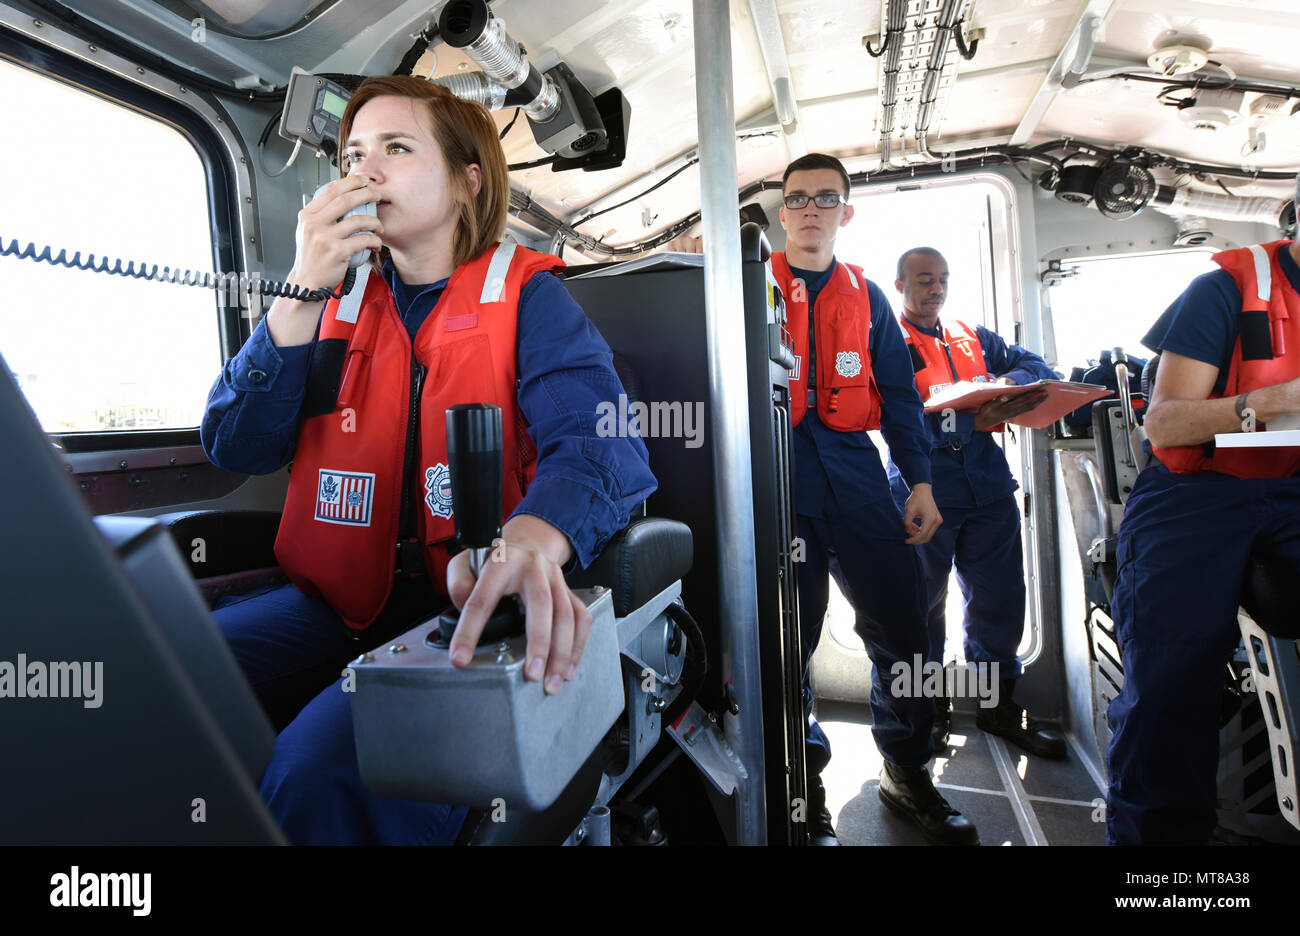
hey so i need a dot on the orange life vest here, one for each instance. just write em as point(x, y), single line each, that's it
point(1267, 352)
point(338, 536)
point(847, 398)
point(941, 362)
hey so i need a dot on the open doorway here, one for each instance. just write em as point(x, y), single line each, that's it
point(969, 221)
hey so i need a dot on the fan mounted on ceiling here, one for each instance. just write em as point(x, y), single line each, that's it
point(1123, 189)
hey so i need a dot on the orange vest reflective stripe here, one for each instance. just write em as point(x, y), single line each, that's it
point(940, 367)
point(1267, 352)
point(847, 398)
point(338, 535)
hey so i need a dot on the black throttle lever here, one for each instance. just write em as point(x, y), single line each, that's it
point(475, 461)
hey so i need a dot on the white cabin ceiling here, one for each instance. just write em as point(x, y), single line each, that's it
point(645, 47)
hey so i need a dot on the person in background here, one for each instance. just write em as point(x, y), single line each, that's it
point(852, 374)
point(974, 488)
point(1229, 362)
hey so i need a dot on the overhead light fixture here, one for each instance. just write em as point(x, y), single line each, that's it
point(1178, 59)
point(1215, 109)
point(771, 44)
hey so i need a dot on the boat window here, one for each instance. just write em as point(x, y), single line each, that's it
point(94, 352)
point(1113, 301)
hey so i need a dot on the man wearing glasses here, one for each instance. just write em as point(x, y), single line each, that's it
point(853, 373)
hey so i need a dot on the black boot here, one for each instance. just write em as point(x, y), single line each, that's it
point(942, 724)
point(1008, 720)
point(820, 829)
point(910, 791)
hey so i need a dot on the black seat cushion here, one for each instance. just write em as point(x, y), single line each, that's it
point(1270, 596)
point(640, 562)
point(233, 540)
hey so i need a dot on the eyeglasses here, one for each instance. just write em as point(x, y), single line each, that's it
point(821, 200)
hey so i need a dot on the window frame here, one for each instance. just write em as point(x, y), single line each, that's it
point(222, 189)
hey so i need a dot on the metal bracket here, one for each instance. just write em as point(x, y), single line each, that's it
point(1275, 668)
point(1127, 467)
point(1056, 274)
point(702, 740)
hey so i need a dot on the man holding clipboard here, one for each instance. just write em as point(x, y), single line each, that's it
point(974, 488)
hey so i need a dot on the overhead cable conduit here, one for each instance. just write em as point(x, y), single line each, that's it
point(948, 22)
point(891, 47)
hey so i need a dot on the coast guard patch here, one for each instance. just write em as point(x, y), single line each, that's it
point(344, 497)
point(848, 363)
point(437, 490)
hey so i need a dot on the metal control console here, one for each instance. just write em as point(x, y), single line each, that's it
point(426, 730)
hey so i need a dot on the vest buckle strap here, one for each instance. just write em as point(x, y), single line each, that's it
point(410, 559)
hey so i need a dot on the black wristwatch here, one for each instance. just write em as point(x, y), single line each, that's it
point(1241, 405)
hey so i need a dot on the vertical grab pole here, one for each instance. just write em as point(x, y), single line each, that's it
point(724, 315)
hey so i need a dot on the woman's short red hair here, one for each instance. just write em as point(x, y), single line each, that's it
point(466, 135)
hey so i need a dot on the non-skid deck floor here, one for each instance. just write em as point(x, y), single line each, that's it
point(1012, 797)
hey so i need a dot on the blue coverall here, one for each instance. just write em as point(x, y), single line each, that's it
point(852, 530)
point(973, 487)
point(291, 647)
point(1183, 548)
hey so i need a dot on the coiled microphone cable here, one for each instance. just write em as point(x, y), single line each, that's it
point(218, 281)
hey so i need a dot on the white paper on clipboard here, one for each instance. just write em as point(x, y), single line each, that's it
point(1282, 431)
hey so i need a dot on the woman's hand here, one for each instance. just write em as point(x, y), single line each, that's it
point(526, 562)
point(321, 261)
point(324, 242)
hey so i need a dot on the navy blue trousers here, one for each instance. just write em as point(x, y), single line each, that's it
point(880, 576)
point(984, 543)
point(293, 649)
point(1183, 550)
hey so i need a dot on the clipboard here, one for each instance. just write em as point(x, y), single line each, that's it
point(1063, 396)
point(1281, 431)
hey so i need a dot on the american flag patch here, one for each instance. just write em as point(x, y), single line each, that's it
point(344, 497)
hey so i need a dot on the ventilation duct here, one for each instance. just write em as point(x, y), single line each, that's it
point(1223, 207)
point(476, 87)
point(470, 26)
